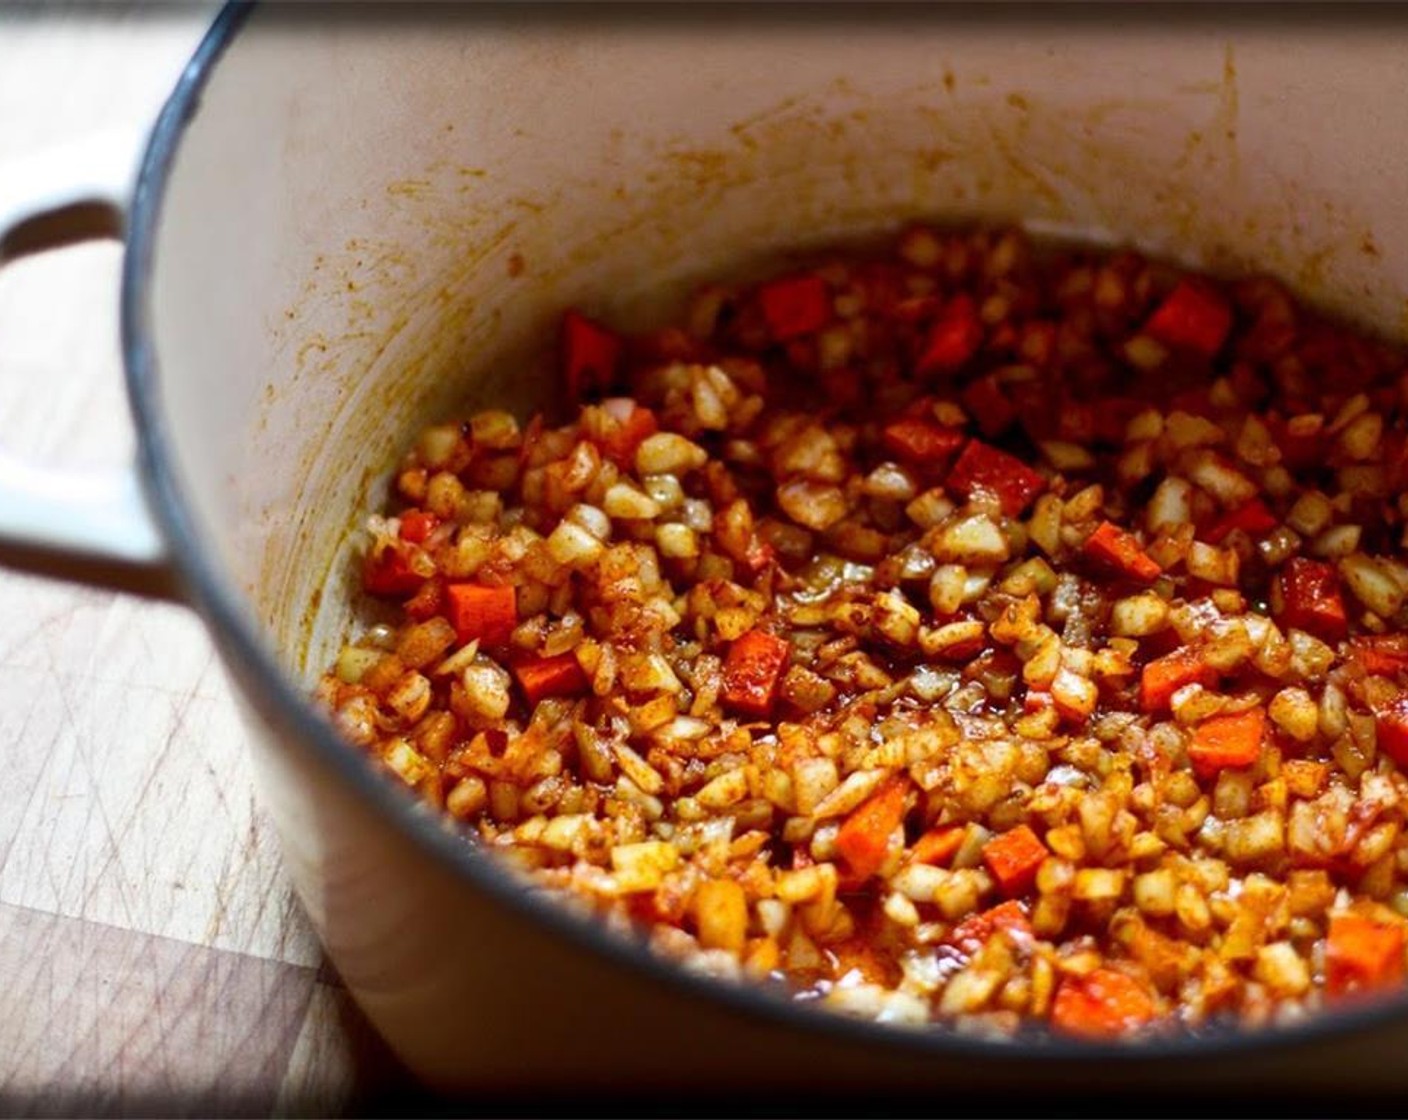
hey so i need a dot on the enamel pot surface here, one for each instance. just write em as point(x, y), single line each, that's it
point(348, 224)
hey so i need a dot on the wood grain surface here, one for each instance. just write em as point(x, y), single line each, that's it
point(153, 959)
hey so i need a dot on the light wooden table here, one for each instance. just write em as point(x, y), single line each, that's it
point(152, 956)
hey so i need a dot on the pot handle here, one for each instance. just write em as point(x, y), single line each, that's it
point(94, 526)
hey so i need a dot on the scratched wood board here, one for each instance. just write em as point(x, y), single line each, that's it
point(153, 959)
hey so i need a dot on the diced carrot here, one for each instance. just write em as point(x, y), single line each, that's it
point(634, 426)
point(486, 613)
point(1013, 858)
point(1253, 518)
point(970, 934)
point(1227, 741)
point(1193, 317)
point(983, 468)
point(920, 441)
point(1008, 915)
point(864, 836)
point(795, 305)
point(989, 406)
point(938, 845)
point(953, 339)
point(1362, 955)
point(752, 671)
point(1380, 655)
point(590, 354)
point(1166, 675)
point(551, 676)
point(1102, 1004)
point(1391, 730)
point(387, 572)
point(417, 524)
point(1112, 546)
point(1308, 594)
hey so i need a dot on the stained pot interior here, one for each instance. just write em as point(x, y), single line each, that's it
point(375, 217)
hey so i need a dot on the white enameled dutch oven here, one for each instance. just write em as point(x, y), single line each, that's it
point(347, 222)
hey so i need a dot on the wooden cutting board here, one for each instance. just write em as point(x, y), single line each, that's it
point(153, 959)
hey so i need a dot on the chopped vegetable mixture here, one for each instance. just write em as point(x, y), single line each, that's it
point(963, 633)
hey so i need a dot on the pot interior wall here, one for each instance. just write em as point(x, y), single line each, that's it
point(377, 217)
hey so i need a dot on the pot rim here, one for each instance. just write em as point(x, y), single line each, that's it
point(282, 704)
